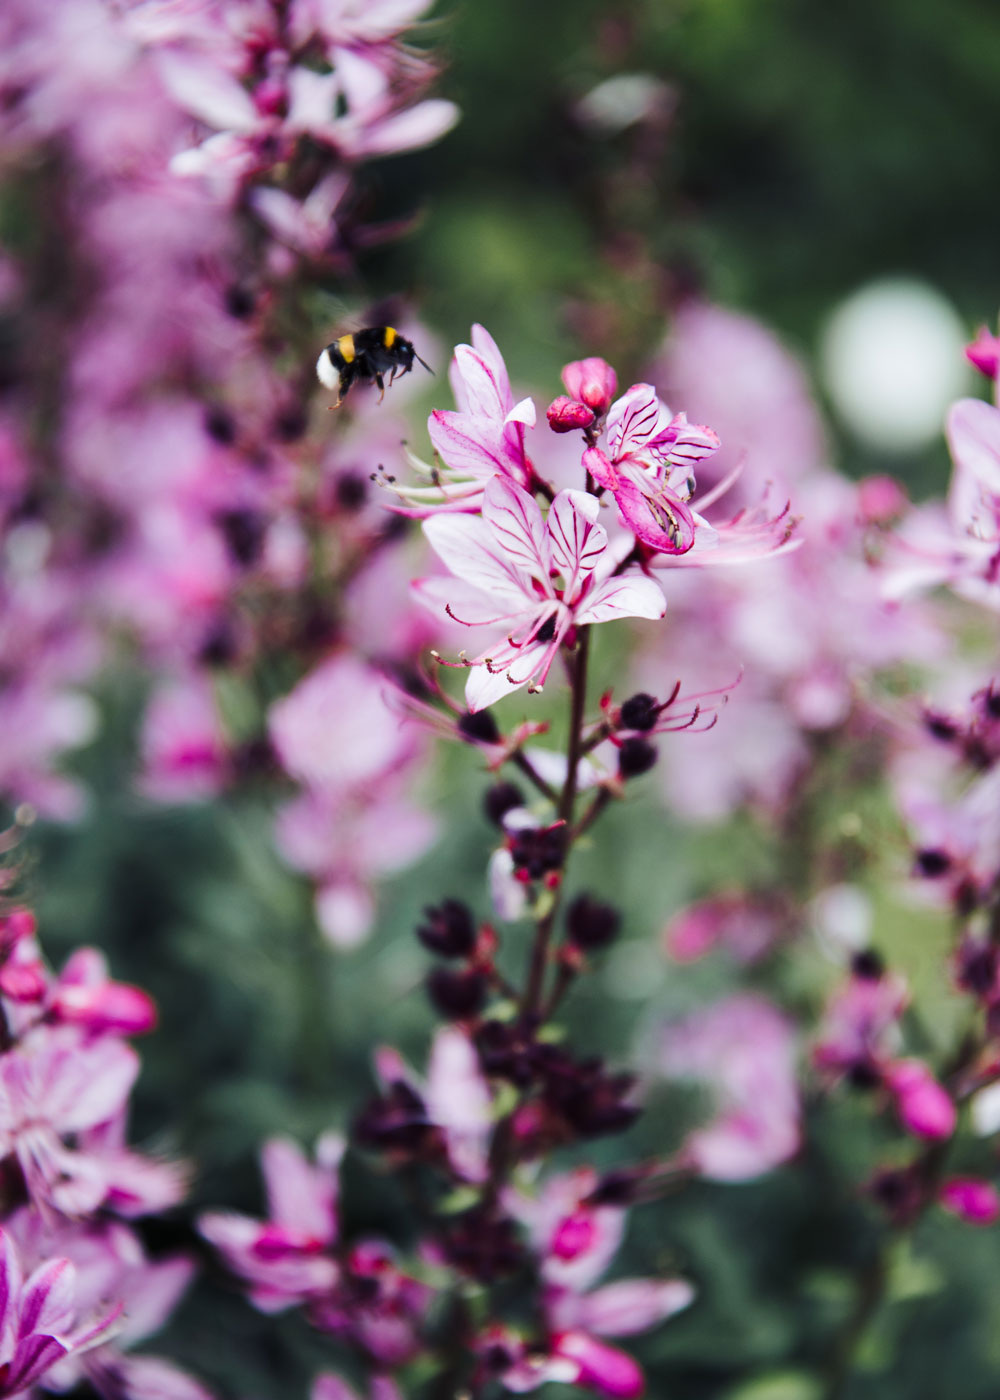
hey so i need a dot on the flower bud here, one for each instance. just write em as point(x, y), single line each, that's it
point(500, 799)
point(537, 850)
point(924, 1107)
point(591, 381)
point(635, 757)
point(640, 712)
point(568, 415)
point(448, 929)
point(602, 1368)
point(984, 353)
point(104, 1007)
point(971, 1199)
point(590, 923)
point(23, 981)
point(478, 728)
point(457, 994)
point(868, 965)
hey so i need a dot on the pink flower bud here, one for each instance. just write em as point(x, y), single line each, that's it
point(604, 1369)
point(567, 415)
point(105, 1006)
point(592, 382)
point(971, 1199)
point(23, 981)
point(574, 1235)
point(880, 499)
point(15, 926)
point(984, 353)
point(924, 1107)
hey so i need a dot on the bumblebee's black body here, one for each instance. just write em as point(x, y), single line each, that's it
point(366, 357)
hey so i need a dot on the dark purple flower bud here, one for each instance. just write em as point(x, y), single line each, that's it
point(568, 415)
point(396, 1121)
point(977, 967)
point(590, 923)
point(500, 799)
point(505, 1052)
point(220, 425)
point(484, 1246)
point(457, 993)
point(243, 531)
point(290, 424)
point(538, 850)
point(448, 929)
point(590, 1100)
point(351, 491)
point(479, 728)
point(616, 1188)
point(864, 1075)
point(897, 1191)
point(640, 711)
point(868, 965)
point(220, 646)
point(239, 302)
point(933, 863)
point(940, 727)
point(635, 757)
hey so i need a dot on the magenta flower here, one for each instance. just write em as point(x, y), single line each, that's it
point(971, 1199)
point(536, 579)
point(575, 1242)
point(39, 1323)
point(648, 464)
point(110, 1263)
point(288, 1258)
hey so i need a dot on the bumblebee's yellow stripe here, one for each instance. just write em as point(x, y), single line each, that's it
point(389, 339)
point(346, 347)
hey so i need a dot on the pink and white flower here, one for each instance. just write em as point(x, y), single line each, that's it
point(39, 1319)
point(536, 579)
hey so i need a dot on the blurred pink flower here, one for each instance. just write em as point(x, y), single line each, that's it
point(744, 1048)
point(40, 1319)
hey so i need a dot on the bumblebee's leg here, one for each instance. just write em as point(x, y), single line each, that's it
point(381, 385)
point(347, 376)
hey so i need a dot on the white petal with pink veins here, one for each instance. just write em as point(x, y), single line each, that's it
point(576, 541)
point(469, 549)
point(515, 521)
point(623, 597)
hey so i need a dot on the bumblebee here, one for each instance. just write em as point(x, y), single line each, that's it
point(365, 357)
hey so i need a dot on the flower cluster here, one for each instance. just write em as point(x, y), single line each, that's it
point(76, 1286)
